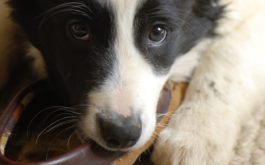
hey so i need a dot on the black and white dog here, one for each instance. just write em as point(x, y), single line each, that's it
point(116, 55)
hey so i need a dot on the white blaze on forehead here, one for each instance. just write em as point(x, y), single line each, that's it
point(132, 72)
point(133, 87)
point(124, 11)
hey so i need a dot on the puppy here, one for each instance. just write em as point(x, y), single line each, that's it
point(110, 59)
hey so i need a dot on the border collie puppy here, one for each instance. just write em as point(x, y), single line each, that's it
point(113, 57)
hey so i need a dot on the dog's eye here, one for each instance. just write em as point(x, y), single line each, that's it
point(80, 31)
point(157, 35)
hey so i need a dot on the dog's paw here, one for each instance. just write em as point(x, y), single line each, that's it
point(187, 147)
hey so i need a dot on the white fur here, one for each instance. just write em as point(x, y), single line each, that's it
point(228, 84)
point(250, 148)
point(38, 65)
point(132, 82)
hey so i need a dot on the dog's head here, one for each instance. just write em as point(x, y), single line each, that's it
point(112, 57)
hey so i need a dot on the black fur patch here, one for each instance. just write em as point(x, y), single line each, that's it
point(187, 21)
point(75, 66)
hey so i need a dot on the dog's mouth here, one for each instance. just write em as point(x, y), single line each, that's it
point(114, 131)
point(22, 144)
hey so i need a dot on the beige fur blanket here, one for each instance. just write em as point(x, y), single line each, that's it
point(250, 148)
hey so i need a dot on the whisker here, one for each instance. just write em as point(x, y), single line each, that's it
point(52, 126)
point(52, 141)
point(161, 115)
point(58, 115)
point(29, 125)
point(69, 139)
point(59, 124)
point(58, 108)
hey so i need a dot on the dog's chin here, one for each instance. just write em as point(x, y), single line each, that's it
point(101, 144)
point(90, 130)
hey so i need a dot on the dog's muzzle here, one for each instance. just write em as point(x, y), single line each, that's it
point(118, 131)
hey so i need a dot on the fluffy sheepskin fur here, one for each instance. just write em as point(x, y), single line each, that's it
point(223, 101)
point(226, 87)
point(250, 147)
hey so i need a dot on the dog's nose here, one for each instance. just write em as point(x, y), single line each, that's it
point(119, 132)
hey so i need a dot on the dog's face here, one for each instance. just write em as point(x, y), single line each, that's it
point(111, 58)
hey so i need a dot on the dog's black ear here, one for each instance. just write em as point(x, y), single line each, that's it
point(24, 13)
point(210, 9)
